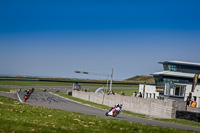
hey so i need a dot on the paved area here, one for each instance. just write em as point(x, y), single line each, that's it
point(46, 99)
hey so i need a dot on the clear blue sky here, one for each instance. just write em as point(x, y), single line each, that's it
point(57, 37)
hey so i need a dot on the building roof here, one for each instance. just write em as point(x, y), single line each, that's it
point(175, 74)
point(181, 63)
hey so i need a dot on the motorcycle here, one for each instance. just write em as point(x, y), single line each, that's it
point(114, 112)
point(25, 98)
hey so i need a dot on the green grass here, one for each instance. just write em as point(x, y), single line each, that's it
point(127, 92)
point(34, 83)
point(50, 83)
point(5, 89)
point(177, 121)
point(18, 117)
point(180, 121)
point(133, 80)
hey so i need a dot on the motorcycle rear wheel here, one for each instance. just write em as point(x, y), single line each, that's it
point(106, 113)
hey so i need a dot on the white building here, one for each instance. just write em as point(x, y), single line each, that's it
point(150, 91)
point(175, 82)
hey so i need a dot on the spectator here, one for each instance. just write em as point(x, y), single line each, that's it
point(122, 93)
point(135, 93)
point(188, 101)
point(194, 104)
point(113, 93)
point(85, 90)
point(140, 95)
point(191, 102)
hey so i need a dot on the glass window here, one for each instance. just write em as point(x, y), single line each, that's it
point(165, 66)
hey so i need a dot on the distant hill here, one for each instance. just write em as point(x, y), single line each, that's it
point(141, 79)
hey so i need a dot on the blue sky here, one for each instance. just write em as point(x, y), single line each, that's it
point(55, 38)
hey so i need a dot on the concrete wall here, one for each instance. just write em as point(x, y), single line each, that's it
point(153, 107)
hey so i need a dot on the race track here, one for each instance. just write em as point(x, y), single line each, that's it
point(48, 100)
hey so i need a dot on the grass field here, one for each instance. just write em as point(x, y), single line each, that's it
point(128, 92)
point(5, 89)
point(33, 83)
point(17, 117)
point(48, 83)
point(132, 80)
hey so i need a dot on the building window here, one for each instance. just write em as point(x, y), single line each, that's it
point(175, 90)
point(173, 67)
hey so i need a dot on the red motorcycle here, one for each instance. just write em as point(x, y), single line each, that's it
point(25, 98)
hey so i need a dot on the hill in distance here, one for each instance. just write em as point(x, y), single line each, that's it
point(141, 79)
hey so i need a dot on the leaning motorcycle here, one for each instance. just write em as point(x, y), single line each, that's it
point(114, 112)
point(25, 98)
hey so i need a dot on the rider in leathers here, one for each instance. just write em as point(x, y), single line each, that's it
point(117, 105)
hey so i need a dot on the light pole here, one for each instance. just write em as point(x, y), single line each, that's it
point(111, 76)
point(100, 74)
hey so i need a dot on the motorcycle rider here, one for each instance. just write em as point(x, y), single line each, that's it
point(25, 97)
point(117, 105)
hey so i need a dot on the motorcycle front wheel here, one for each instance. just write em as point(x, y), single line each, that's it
point(115, 113)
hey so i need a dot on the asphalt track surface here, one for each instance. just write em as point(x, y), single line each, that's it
point(49, 100)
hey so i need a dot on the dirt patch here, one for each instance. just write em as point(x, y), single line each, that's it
point(12, 91)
